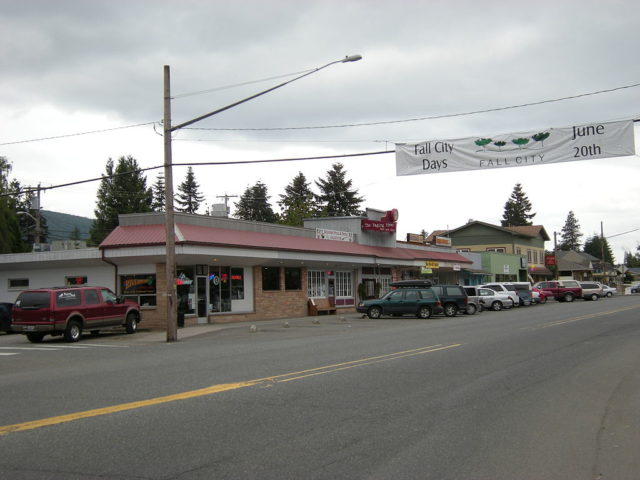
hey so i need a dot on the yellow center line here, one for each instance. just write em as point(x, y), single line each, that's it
point(214, 389)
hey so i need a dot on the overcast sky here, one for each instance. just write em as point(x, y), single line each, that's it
point(70, 67)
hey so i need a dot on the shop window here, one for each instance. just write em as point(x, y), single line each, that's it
point(293, 279)
point(496, 249)
point(75, 281)
point(270, 278)
point(140, 288)
point(237, 283)
point(344, 284)
point(18, 283)
point(316, 284)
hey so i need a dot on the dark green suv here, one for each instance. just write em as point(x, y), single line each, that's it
point(419, 301)
point(453, 297)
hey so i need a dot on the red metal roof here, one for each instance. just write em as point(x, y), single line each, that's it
point(146, 235)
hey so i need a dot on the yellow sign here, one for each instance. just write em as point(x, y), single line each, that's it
point(431, 264)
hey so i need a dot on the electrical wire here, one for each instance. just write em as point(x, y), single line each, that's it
point(77, 134)
point(226, 87)
point(347, 125)
point(103, 177)
point(417, 119)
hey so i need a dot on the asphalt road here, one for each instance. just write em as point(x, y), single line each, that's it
point(544, 392)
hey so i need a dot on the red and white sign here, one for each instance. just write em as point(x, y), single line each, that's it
point(385, 224)
point(378, 226)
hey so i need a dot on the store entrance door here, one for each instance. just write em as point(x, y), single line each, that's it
point(201, 297)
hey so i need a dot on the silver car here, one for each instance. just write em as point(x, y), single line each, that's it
point(591, 291)
point(493, 300)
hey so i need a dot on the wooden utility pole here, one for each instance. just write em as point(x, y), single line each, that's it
point(170, 262)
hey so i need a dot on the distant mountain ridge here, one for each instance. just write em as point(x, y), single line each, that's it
point(61, 225)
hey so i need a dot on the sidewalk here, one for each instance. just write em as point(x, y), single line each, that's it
point(160, 336)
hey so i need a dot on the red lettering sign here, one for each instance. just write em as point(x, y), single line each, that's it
point(378, 226)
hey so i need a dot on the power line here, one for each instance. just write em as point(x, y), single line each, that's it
point(77, 134)
point(89, 180)
point(226, 87)
point(317, 127)
point(417, 119)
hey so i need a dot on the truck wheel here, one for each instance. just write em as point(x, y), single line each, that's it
point(450, 310)
point(424, 312)
point(568, 297)
point(496, 306)
point(132, 323)
point(73, 331)
point(471, 309)
point(35, 337)
point(374, 312)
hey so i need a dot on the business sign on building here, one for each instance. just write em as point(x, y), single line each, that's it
point(378, 225)
point(325, 234)
point(431, 264)
point(443, 241)
point(553, 145)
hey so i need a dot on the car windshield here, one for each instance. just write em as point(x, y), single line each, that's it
point(33, 300)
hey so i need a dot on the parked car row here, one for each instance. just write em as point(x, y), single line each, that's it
point(422, 299)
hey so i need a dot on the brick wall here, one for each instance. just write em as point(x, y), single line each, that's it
point(268, 305)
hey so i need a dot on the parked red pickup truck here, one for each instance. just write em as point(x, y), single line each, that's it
point(562, 290)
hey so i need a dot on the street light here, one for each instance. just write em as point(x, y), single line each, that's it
point(172, 324)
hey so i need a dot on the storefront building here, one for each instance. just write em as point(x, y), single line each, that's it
point(232, 270)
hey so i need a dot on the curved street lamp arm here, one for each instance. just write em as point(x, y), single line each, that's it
point(350, 58)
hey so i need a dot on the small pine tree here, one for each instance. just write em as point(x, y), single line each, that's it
point(157, 189)
point(517, 209)
point(570, 234)
point(298, 202)
point(337, 198)
point(189, 197)
point(254, 205)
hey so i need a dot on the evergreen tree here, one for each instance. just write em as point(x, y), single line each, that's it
point(157, 189)
point(570, 234)
point(337, 199)
point(298, 202)
point(10, 235)
point(75, 233)
point(593, 246)
point(517, 210)
point(254, 205)
point(123, 189)
point(632, 260)
point(189, 197)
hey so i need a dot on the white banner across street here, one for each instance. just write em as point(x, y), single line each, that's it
point(554, 145)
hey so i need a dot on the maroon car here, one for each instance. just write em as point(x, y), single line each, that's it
point(69, 311)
